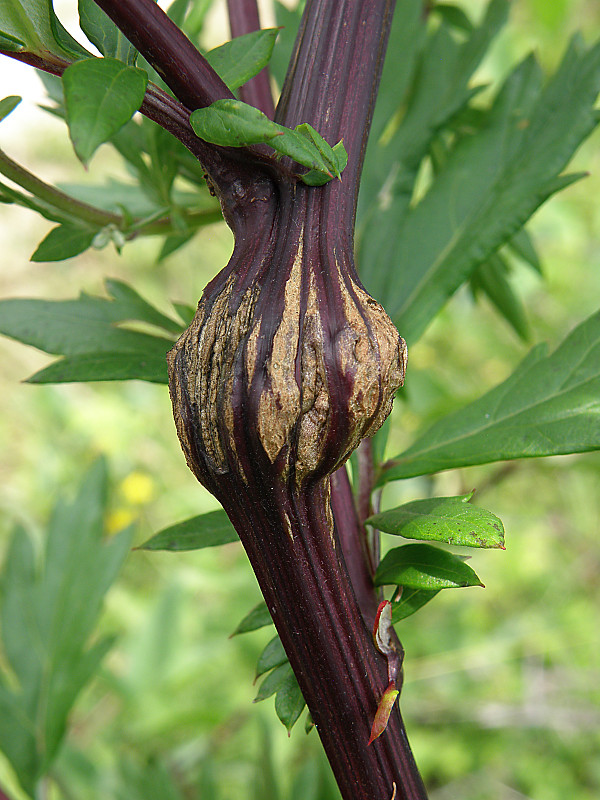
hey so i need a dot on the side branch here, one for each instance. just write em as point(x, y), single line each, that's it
point(225, 166)
point(179, 63)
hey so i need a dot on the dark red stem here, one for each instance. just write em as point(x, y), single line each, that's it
point(244, 18)
point(229, 169)
point(332, 84)
point(179, 63)
point(351, 533)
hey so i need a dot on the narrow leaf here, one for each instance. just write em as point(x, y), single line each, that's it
point(243, 57)
point(101, 95)
point(289, 702)
point(64, 242)
point(421, 566)
point(550, 405)
point(443, 519)
point(49, 609)
point(88, 327)
point(272, 656)
point(205, 530)
point(492, 279)
point(259, 617)
point(505, 171)
point(104, 367)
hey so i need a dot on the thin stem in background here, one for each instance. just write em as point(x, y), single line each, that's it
point(244, 18)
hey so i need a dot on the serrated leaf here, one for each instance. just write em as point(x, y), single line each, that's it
point(425, 98)
point(101, 95)
point(550, 405)
point(8, 104)
point(243, 57)
point(410, 602)
point(259, 617)
point(65, 241)
point(443, 519)
point(273, 682)
point(87, 329)
point(289, 702)
point(272, 656)
point(490, 185)
point(91, 367)
point(421, 566)
point(205, 530)
point(104, 34)
point(49, 609)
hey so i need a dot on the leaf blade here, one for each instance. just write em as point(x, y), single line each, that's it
point(452, 520)
point(421, 566)
point(206, 530)
point(549, 406)
point(101, 95)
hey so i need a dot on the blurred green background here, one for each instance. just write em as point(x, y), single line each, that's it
point(502, 689)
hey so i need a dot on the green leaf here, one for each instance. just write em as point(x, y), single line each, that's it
point(259, 617)
point(88, 331)
point(205, 530)
point(104, 34)
point(101, 95)
point(424, 98)
point(231, 123)
point(493, 181)
point(443, 519)
point(49, 610)
point(104, 367)
point(522, 245)
point(421, 566)
point(243, 57)
point(273, 682)
point(410, 602)
point(8, 104)
point(550, 405)
point(65, 241)
point(491, 279)
point(33, 26)
point(454, 16)
point(289, 702)
point(272, 656)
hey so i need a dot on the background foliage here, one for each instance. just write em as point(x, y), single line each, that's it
point(501, 685)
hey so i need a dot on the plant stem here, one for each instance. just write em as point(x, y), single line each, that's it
point(54, 197)
point(332, 84)
point(351, 534)
point(244, 18)
point(229, 169)
point(179, 63)
point(91, 215)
